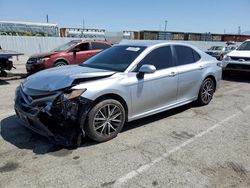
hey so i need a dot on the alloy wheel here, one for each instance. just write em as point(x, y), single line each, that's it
point(207, 91)
point(108, 119)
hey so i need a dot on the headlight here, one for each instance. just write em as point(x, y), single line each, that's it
point(226, 58)
point(41, 60)
point(72, 94)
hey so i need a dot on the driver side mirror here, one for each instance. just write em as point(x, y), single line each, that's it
point(146, 69)
point(76, 50)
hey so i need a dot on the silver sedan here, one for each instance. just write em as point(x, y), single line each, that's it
point(121, 84)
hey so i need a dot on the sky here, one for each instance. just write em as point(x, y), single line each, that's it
point(215, 16)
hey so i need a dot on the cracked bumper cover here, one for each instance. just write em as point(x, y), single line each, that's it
point(31, 118)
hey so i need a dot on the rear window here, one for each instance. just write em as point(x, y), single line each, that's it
point(99, 46)
point(185, 55)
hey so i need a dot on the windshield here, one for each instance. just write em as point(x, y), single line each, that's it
point(65, 46)
point(116, 58)
point(244, 46)
point(216, 48)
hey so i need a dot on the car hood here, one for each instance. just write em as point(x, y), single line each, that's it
point(239, 53)
point(63, 77)
point(41, 55)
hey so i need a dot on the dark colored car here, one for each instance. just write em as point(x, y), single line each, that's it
point(73, 52)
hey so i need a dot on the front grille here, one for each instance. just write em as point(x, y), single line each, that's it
point(238, 66)
point(32, 60)
point(242, 58)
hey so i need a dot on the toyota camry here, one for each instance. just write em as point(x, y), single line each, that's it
point(121, 84)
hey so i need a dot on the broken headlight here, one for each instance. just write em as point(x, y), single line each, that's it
point(72, 94)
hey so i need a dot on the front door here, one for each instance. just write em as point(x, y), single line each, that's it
point(157, 90)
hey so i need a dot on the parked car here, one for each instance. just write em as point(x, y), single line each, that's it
point(238, 60)
point(121, 84)
point(219, 51)
point(73, 52)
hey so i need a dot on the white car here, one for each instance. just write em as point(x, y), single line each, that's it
point(238, 60)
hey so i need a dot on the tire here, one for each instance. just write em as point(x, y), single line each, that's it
point(104, 121)
point(206, 92)
point(60, 63)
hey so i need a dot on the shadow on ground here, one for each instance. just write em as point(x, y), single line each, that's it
point(10, 77)
point(15, 133)
point(4, 82)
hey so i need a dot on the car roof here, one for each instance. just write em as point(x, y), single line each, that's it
point(83, 40)
point(150, 43)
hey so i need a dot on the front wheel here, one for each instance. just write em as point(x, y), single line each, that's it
point(206, 92)
point(60, 63)
point(105, 120)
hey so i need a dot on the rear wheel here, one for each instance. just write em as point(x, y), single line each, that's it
point(206, 91)
point(60, 63)
point(105, 120)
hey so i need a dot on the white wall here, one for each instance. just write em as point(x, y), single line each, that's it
point(33, 45)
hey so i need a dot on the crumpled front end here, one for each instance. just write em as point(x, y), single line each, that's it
point(52, 115)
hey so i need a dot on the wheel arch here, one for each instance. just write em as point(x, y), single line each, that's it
point(61, 59)
point(115, 97)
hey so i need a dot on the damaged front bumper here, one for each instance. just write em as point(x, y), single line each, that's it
point(61, 121)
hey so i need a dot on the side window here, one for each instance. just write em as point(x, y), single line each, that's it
point(197, 57)
point(185, 55)
point(161, 58)
point(99, 46)
point(83, 46)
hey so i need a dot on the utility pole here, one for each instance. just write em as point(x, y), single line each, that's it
point(83, 23)
point(47, 18)
point(239, 30)
point(166, 23)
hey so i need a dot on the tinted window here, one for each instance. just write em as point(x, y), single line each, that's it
point(83, 46)
point(196, 56)
point(99, 46)
point(65, 46)
point(116, 58)
point(186, 55)
point(161, 58)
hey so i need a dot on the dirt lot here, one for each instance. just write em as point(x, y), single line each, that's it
point(187, 147)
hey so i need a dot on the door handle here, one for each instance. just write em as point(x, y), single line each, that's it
point(201, 67)
point(172, 74)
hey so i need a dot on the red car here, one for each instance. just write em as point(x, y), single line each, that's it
point(73, 52)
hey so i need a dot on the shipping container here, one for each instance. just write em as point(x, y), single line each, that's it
point(165, 35)
point(206, 37)
point(136, 35)
point(235, 38)
point(178, 36)
point(194, 36)
point(149, 35)
point(216, 37)
point(98, 34)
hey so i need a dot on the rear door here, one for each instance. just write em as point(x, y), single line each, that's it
point(190, 71)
